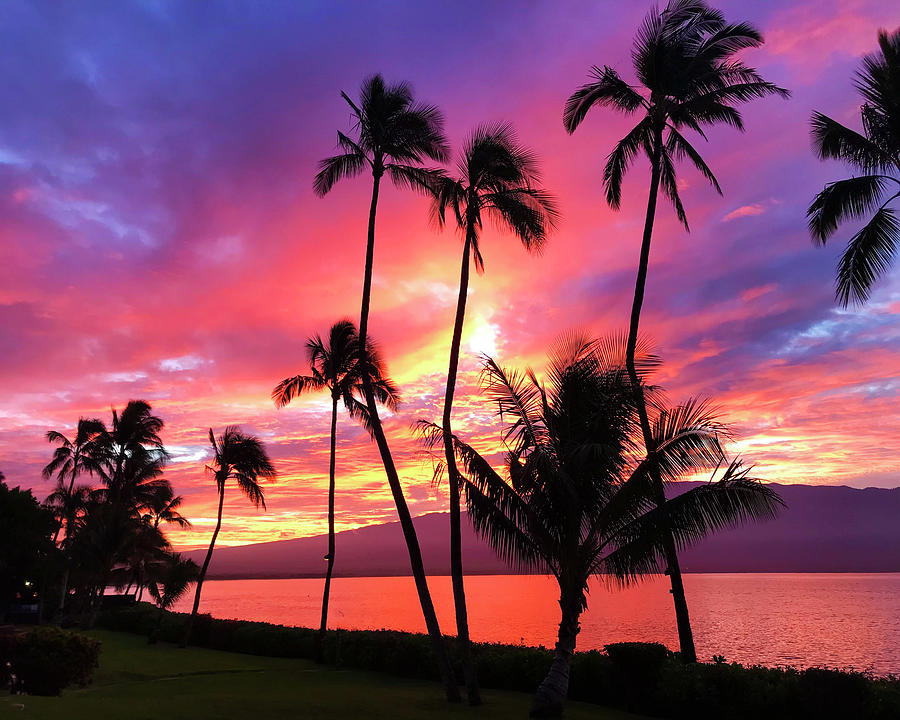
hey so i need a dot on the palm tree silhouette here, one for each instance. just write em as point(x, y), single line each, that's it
point(394, 136)
point(876, 154)
point(335, 366)
point(577, 499)
point(242, 458)
point(684, 60)
point(498, 179)
point(83, 453)
point(134, 456)
point(164, 507)
point(169, 579)
point(80, 454)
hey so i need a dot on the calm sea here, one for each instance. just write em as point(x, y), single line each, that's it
point(846, 620)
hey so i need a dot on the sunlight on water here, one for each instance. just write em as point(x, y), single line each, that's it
point(850, 620)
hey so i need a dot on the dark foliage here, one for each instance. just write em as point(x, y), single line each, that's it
point(45, 660)
point(26, 545)
point(645, 678)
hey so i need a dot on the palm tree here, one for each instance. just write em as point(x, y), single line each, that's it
point(394, 136)
point(335, 366)
point(498, 179)
point(82, 453)
point(684, 61)
point(876, 154)
point(163, 506)
point(68, 503)
point(71, 458)
point(578, 498)
point(169, 579)
point(242, 458)
point(134, 456)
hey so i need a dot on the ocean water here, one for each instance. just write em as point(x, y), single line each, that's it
point(834, 620)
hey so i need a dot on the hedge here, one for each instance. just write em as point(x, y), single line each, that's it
point(44, 660)
point(644, 678)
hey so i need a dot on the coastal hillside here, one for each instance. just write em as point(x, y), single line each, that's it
point(824, 529)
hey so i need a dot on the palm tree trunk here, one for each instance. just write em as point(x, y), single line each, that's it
point(406, 523)
point(456, 566)
point(682, 618)
point(212, 543)
point(320, 640)
point(552, 692)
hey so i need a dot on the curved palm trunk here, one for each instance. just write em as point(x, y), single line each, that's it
point(552, 692)
point(212, 543)
point(456, 566)
point(324, 622)
point(406, 523)
point(682, 618)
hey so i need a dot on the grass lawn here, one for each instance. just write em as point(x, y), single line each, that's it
point(137, 681)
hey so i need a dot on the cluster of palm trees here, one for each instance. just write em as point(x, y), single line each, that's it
point(684, 58)
point(110, 534)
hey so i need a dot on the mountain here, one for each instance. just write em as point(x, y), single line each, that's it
point(824, 529)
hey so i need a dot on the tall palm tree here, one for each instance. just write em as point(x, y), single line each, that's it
point(73, 457)
point(578, 498)
point(394, 136)
point(335, 366)
point(134, 455)
point(688, 78)
point(498, 179)
point(83, 453)
point(242, 458)
point(876, 154)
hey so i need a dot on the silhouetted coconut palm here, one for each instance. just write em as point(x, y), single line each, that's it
point(83, 453)
point(578, 497)
point(242, 458)
point(134, 456)
point(876, 154)
point(498, 180)
point(689, 79)
point(108, 535)
point(80, 454)
point(393, 135)
point(163, 506)
point(335, 366)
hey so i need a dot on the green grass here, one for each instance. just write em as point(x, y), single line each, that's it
point(137, 681)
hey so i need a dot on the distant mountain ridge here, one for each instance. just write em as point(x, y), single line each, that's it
point(825, 529)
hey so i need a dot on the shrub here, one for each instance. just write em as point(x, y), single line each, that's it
point(645, 678)
point(44, 660)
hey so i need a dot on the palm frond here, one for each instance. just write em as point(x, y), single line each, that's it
point(669, 183)
point(607, 90)
point(620, 159)
point(335, 168)
point(293, 387)
point(680, 148)
point(851, 198)
point(425, 181)
point(527, 212)
point(733, 500)
point(518, 399)
point(833, 140)
point(869, 254)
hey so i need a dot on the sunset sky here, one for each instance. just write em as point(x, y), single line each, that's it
point(159, 238)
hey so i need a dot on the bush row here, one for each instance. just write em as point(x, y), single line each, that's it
point(640, 677)
point(44, 660)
